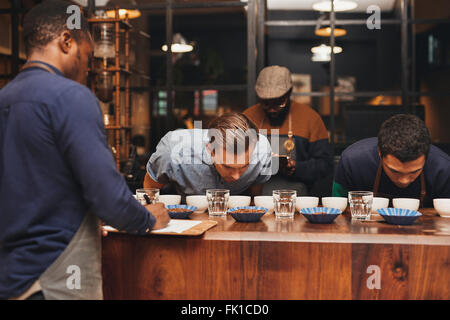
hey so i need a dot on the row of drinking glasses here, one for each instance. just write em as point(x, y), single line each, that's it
point(283, 200)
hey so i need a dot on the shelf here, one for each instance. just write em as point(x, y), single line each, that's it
point(113, 69)
point(125, 24)
point(113, 127)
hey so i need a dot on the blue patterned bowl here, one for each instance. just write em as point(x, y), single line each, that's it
point(399, 216)
point(247, 216)
point(180, 215)
point(320, 214)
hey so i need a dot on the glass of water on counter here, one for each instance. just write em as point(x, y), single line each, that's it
point(217, 201)
point(152, 194)
point(284, 203)
point(360, 204)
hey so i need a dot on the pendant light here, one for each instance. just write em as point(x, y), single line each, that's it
point(339, 5)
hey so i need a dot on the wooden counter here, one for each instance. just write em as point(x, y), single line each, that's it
point(274, 259)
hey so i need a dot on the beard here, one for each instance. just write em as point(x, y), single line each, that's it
point(277, 119)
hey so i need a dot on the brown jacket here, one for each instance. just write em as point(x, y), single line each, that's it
point(313, 152)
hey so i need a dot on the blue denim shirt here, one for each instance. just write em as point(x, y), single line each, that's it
point(55, 165)
point(181, 159)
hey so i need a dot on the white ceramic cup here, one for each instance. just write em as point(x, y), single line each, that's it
point(239, 201)
point(306, 202)
point(335, 202)
point(170, 199)
point(406, 203)
point(199, 201)
point(265, 202)
point(379, 203)
point(442, 206)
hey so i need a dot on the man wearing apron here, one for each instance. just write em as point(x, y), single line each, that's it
point(400, 163)
point(302, 137)
point(57, 174)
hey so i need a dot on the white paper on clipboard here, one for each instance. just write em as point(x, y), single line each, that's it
point(178, 226)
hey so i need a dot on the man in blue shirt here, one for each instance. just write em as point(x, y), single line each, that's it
point(230, 154)
point(57, 174)
point(400, 163)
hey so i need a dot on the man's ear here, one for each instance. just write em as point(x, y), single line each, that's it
point(65, 41)
point(379, 153)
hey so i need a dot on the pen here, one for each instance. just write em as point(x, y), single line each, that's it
point(147, 199)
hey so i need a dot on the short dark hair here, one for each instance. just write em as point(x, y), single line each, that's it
point(45, 21)
point(234, 129)
point(404, 136)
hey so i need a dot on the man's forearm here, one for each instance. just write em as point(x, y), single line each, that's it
point(339, 190)
point(150, 183)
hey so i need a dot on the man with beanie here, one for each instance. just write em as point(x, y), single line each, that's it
point(304, 151)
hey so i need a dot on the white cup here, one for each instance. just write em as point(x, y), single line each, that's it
point(239, 201)
point(379, 203)
point(199, 201)
point(442, 206)
point(170, 199)
point(306, 202)
point(406, 203)
point(265, 202)
point(335, 202)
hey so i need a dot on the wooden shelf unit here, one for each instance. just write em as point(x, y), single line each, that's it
point(121, 28)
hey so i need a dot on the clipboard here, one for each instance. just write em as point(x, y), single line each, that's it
point(196, 230)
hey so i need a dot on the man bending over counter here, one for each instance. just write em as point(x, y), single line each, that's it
point(230, 154)
point(400, 163)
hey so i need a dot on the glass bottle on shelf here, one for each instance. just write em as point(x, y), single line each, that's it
point(104, 46)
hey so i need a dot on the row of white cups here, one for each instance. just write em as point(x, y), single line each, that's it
point(201, 202)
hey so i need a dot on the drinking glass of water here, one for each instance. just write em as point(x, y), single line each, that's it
point(284, 203)
point(217, 201)
point(360, 204)
point(147, 194)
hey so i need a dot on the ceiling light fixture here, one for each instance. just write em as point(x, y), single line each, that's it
point(323, 48)
point(326, 32)
point(132, 14)
point(339, 5)
point(179, 45)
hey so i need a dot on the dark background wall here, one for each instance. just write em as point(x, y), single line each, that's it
point(220, 48)
point(372, 56)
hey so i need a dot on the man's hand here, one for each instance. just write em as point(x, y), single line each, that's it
point(160, 213)
point(287, 166)
point(290, 168)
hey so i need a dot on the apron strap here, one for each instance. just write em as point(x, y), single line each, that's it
point(423, 189)
point(377, 180)
point(37, 65)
